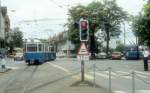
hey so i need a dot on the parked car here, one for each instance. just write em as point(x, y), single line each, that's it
point(133, 55)
point(116, 55)
point(102, 55)
point(18, 56)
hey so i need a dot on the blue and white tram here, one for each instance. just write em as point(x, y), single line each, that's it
point(37, 53)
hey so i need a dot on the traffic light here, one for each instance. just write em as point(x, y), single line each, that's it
point(84, 30)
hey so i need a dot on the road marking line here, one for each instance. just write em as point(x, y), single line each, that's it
point(12, 67)
point(103, 75)
point(144, 73)
point(88, 76)
point(118, 92)
point(137, 91)
point(69, 73)
point(65, 70)
point(114, 75)
point(60, 67)
point(122, 72)
point(143, 91)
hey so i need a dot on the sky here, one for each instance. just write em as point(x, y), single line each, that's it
point(25, 14)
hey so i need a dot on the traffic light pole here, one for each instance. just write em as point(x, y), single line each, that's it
point(84, 37)
point(82, 70)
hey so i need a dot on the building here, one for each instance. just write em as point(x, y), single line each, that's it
point(63, 45)
point(4, 25)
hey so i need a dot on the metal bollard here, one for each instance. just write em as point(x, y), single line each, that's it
point(133, 82)
point(3, 65)
point(94, 84)
point(109, 69)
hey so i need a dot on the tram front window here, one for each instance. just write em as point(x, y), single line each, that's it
point(32, 47)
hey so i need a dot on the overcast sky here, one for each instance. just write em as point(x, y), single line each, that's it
point(52, 9)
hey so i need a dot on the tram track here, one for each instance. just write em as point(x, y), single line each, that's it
point(20, 81)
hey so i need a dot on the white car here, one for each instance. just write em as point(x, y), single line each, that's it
point(18, 56)
point(102, 55)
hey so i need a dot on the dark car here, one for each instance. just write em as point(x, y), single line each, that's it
point(133, 55)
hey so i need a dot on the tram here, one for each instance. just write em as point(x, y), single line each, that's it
point(37, 52)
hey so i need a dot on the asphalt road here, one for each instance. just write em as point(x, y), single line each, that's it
point(54, 76)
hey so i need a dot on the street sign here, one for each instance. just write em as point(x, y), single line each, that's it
point(83, 53)
point(83, 50)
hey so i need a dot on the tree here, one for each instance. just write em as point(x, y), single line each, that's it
point(120, 48)
point(112, 19)
point(141, 25)
point(17, 38)
point(105, 15)
point(14, 38)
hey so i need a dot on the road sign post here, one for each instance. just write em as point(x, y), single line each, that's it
point(83, 54)
point(82, 70)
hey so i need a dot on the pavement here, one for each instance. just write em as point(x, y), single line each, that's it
point(4, 70)
point(83, 90)
point(63, 76)
point(83, 87)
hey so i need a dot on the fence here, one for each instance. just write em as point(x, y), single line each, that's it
point(133, 74)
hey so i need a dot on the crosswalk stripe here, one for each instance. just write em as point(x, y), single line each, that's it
point(137, 91)
point(118, 92)
point(144, 73)
point(12, 67)
point(122, 72)
point(102, 75)
point(88, 76)
point(143, 91)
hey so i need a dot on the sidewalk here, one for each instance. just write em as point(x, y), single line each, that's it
point(83, 90)
point(83, 87)
point(4, 70)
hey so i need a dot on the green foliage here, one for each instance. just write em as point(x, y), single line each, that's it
point(120, 48)
point(141, 25)
point(14, 38)
point(17, 38)
point(102, 15)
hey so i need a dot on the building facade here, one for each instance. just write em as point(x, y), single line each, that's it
point(4, 25)
point(64, 47)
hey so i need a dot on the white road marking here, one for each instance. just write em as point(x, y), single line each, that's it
point(60, 67)
point(12, 67)
point(68, 72)
point(118, 92)
point(102, 75)
point(88, 76)
point(137, 91)
point(122, 72)
point(143, 91)
point(144, 73)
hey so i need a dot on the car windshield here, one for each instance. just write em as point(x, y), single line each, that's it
point(74, 46)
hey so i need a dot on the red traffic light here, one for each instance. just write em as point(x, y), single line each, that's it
point(84, 25)
point(84, 30)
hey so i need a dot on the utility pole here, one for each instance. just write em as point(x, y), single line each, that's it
point(124, 34)
point(0, 23)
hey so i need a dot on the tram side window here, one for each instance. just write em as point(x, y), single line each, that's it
point(46, 48)
point(52, 49)
point(40, 47)
point(32, 47)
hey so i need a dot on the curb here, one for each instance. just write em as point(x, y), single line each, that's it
point(4, 70)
